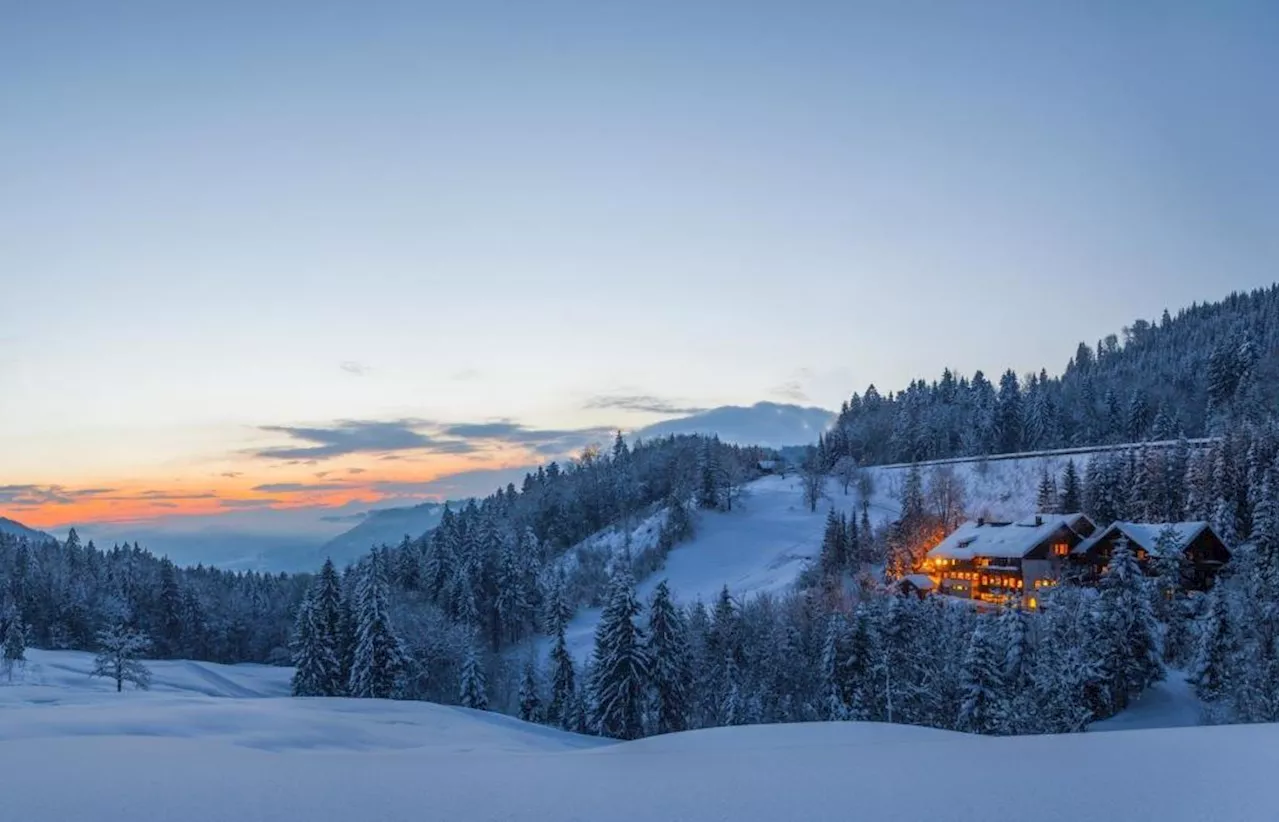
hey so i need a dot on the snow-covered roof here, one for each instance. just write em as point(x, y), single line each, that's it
point(920, 581)
point(1145, 534)
point(1004, 539)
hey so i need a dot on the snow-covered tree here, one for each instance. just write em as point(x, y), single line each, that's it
point(379, 663)
point(1129, 647)
point(620, 667)
point(118, 657)
point(530, 700)
point(667, 651)
point(472, 690)
point(14, 650)
point(315, 657)
point(564, 692)
point(984, 707)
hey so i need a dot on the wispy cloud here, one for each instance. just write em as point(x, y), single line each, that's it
point(355, 369)
point(249, 504)
point(647, 403)
point(792, 388)
point(392, 438)
point(359, 437)
point(296, 487)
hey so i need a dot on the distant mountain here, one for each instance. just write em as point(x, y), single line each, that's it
point(17, 529)
point(771, 424)
point(388, 525)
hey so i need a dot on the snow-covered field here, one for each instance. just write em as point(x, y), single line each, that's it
point(71, 749)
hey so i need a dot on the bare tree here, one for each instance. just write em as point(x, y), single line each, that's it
point(865, 485)
point(946, 495)
point(846, 468)
point(812, 479)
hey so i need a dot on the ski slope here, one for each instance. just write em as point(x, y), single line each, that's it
point(108, 757)
point(760, 546)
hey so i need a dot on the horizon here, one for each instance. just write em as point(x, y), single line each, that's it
point(386, 254)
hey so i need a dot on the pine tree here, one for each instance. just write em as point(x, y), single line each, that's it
point(472, 689)
point(1166, 594)
point(835, 687)
point(530, 701)
point(117, 659)
point(14, 652)
point(315, 658)
point(379, 663)
point(1215, 649)
point(1047, 495)
point(560, 709)
point(1129, 650)
point(620, 667)
point(1071, 502)
point(667, 649)
point(984, 707)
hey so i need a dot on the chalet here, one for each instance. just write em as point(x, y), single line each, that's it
point(1201, 548)
point(1003, 563)
point(919, 585)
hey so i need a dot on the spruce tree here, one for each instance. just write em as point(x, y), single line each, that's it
point(670, 677)
point(564, 692)
point(315, 659)
point(14, 652)
point(620, 667)
point(472, 688)
point(530, 701)
point(1215, 649)
point(1047, 495)
point(1071, 502)
point(1129, 649)
point(984, 706)
point(379, 664)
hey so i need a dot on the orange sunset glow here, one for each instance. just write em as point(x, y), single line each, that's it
point(367, 481)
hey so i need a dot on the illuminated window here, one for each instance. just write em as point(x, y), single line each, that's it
point(1031, 603)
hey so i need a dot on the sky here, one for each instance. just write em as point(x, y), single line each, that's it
point(304, 255)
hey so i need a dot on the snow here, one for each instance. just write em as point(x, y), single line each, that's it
point(760, 546)
point(56, 675)
point(1170, 703)
point(1002, 539)
point(198, 758)
point(1146, 534)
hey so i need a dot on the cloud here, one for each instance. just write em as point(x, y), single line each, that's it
point(465, 374)
point(355, 470)
point(231, 474)
point(543, 441)
point(392, 437)
point(646, 403)
point(36, 495)
point(359, 437)
point(355, 369)
point(296, 487)
point(791, 390)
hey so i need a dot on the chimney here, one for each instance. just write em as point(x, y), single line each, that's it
point(1039, 520)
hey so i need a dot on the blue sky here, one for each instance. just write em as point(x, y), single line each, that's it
point(222, 222)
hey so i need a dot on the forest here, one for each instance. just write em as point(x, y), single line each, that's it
point(453, 615)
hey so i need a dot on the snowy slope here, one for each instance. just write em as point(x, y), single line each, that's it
point(17, 529)
point(762, 545)
point(124, 757)
point(59, 675)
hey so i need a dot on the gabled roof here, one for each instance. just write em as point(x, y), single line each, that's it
point(1145, 534)
point(920, 581)
point(1005, 539)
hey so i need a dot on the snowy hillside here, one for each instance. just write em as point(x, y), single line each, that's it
point(385, 526)
point(17, 529)
point(771, 536)
point(185, 755)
